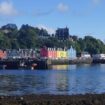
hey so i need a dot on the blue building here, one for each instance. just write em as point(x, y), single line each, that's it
point(71, 53)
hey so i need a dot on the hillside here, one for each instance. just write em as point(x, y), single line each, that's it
point(30, 37)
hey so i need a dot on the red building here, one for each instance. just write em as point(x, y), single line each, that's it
point(44, 52)
point(48, 53)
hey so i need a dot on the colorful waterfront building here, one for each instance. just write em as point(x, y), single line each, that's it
point(61, 54)
point(21, 53)
point(44, 52)
point(71, 53)
point(3, 54)
point(64, 54)
point(58, 53)
point(54, 52)
point(50, 53)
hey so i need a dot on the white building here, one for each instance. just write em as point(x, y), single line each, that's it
point(85, 55)
point(98, 56)
point(21, 53)
point(13, 54)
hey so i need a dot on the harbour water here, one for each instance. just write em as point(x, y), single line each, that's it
point(60, 80)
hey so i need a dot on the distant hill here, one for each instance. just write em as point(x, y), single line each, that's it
point(30, 37)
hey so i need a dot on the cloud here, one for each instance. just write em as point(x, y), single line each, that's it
point(96, 2)
point(49, 29)
point(43, 13)
point(7, 9)
point(62, 7)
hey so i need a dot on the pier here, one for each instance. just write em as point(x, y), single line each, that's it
point(23, 64)
point(37, 64)
point(41, 64)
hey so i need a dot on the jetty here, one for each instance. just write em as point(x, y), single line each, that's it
point(37, 64)
point(23, 64)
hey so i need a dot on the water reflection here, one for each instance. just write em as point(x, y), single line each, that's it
point(59, 82)
point(75, 79)
point(64, 67)
point(60, 67)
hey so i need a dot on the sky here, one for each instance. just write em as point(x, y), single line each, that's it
point(82, 17)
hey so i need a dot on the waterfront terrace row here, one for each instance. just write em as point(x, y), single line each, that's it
point(58, 53)
point(47, 53)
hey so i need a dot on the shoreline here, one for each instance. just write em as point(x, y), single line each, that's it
point(39, 64)
point(87, 99)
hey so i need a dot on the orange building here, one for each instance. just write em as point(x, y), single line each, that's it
point(3, 54)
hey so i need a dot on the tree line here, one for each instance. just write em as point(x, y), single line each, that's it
point(32, 37)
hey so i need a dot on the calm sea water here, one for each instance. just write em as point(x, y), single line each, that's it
point(66, 80)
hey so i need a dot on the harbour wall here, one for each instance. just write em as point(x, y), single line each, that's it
point(37, 64)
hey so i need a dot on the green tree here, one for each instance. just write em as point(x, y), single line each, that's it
point(27, 37)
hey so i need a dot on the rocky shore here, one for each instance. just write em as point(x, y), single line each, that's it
point(87, 99)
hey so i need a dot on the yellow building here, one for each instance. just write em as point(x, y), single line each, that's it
point(61, 54)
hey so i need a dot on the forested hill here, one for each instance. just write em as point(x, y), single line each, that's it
point(30, 37)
